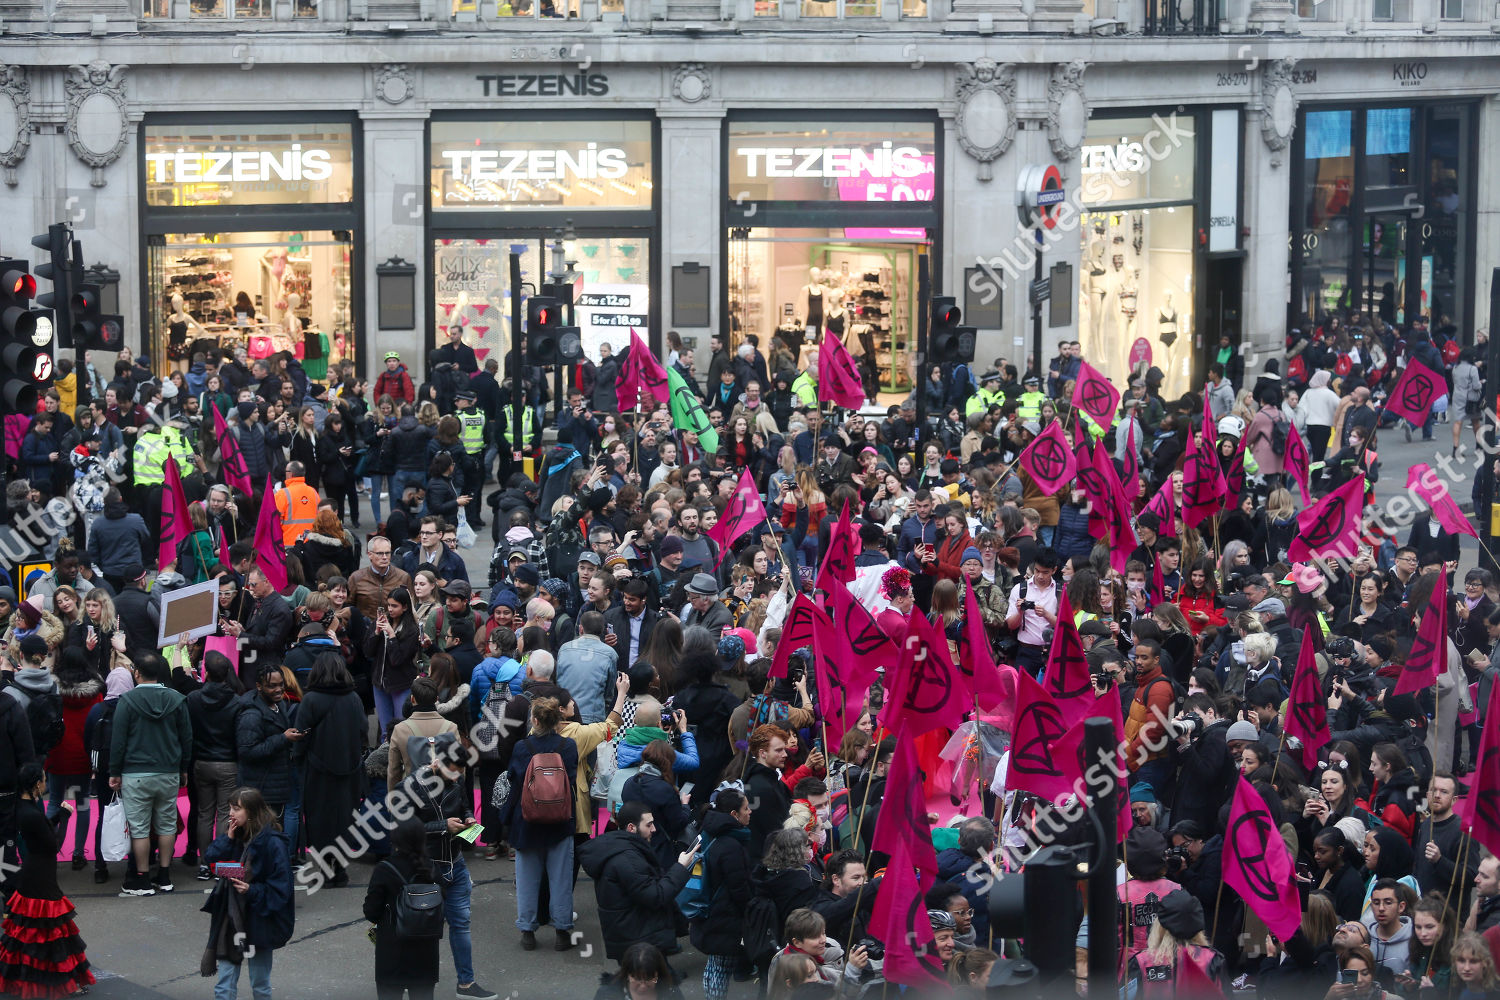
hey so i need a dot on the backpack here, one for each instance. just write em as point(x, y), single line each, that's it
point(44, 715)
point(761, 938)
point(418, 911)
point(546, 793)
point(1279, 430)
point(485, 733)
point(697, 896)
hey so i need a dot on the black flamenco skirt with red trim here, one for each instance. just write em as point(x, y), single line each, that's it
point(41, 954)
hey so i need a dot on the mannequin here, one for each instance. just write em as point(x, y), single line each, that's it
point(289, 321)
point(812, 301)
point(178, 324)
point(1129, 292)
point(1094, 273)
point(836, 320)
point(1166, 321)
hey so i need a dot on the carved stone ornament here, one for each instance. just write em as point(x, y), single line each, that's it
point(97, 127)
point(15, 119)
point(1067, 112)
point(691, 83)
point(986, 118)
point(393, 83)
point(1278, 104)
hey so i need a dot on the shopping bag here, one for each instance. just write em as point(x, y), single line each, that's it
point(465, 533)
point(114, 839)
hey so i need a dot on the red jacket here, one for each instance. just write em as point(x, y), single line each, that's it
point(396, 384)
point(1207, 605)
point(71, 756)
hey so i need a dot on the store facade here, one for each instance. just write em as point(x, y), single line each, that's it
point(1383, 212)
point(250, 237)
point(585, 181)
point(828, 217)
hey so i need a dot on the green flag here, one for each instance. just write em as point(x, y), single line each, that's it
point(688, 413)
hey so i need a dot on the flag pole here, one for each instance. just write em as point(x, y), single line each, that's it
point(1280, 749)
point(1218, 896)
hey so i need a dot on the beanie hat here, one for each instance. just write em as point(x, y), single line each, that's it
point(972, 552)
point(1241, 731)
point(1181, 914)
point(731, 648)
point(670, 546)
point(1142, 791)
point(555, 586)
point(1145, 851)
point(245, 409)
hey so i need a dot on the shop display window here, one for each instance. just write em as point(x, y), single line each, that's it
point(265, 292)
point(471, 288)
point(804, 284)
point(844, 161)
point(1135, 282)
point(1326, 240)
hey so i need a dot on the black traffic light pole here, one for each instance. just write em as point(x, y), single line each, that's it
point(924, 299)
point(1104, 934)
point(517, 392)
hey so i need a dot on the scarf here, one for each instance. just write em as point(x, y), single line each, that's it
point(639, 736)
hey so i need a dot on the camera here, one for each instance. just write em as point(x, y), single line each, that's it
point(1177, 858)
point(1027, 605)
point(874, 949)
point(1187, 724)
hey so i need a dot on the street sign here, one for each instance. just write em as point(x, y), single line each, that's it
point(1041, 291)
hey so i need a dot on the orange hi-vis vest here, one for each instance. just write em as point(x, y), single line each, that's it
point(297, 503)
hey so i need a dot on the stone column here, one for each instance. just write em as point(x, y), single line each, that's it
point(1486, 218)
point(1267, 180)
point(395, 165)
point(689, 178)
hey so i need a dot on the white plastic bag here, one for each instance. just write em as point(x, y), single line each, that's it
point(465, 533)
point(114, 839)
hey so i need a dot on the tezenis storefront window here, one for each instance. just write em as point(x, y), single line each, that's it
point(250, 239)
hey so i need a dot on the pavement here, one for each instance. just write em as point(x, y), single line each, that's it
point(149, 947)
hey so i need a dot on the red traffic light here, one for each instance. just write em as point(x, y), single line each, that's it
point(945, 311)
point(18, 284)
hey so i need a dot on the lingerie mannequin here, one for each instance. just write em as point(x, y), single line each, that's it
point(289, 321)
point(1166, 321)
point(835, 322)
point(812, 302)
point(1094, 273)
point(178, 324)
point(1129, 293)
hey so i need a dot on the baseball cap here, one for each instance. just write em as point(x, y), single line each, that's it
point(589, 557)
point(33, 646)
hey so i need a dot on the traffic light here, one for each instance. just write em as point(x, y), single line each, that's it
point(548, 342)
point(92, 330)
point(949, 343)
point(57, 269)
point(25, 339)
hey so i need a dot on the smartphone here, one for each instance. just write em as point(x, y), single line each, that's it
point(1349, 977)
point(610, 629)
point(229, 869)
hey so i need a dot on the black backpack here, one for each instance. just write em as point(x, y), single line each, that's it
point(762, 930)
point(1279, 432)
point(418, 910)
point(44, 714)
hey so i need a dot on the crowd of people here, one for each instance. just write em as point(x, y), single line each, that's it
point(627, 694)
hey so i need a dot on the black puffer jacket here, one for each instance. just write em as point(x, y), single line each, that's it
point(637, 898)
point(789, 889)
point(728, 868)
point(405, 448)
point(213, 710)
point(265, 754)
point(660, 796)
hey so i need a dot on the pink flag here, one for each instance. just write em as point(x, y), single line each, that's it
point(796, 632)
point(1046, 754)
point(1424, 482)
point(742, 514)
point(1122, 538)
point(843, 546)
point(641, 372)
point(1203, 488)
point(902, 824)
point(1048, 459)
point(1158, 582)
point(1295, 459)
point(838, 375)
point(270, 552)
point(1415, 392)
point(224, 559)
point(1067, 680)
point(1479, 811)
point(1257, 864)
point(175, 525)
point(226, 644)
point(1331, 526)
point(1096, 396)
point(927, 693)
point(975, 661)
point(1132, 478)
point(1164, 506)
point(1428, 659)
point(900, 920)
point(872, 648)
point(830, 675)
point(231, 460)
point(1306, 709)
point(1234, 479)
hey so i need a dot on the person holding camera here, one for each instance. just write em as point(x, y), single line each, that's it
point(1033, 610)
point(1207, 774)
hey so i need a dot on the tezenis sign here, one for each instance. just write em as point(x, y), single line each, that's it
point(544, 84)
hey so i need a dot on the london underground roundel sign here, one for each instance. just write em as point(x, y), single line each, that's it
point(1039, 193)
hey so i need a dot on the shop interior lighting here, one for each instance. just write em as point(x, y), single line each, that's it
point(592, 188)
point(624, 188)
point(560, 189)
point(531, 192)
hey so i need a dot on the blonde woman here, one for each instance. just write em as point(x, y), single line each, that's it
point(98, 632)
point(1281, 524)
point(427, 415)
point(1176, 938)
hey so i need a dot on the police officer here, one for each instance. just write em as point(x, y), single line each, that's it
point(1029, 406)
point(989, 394)
point(156, 443)
point(472, 436)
